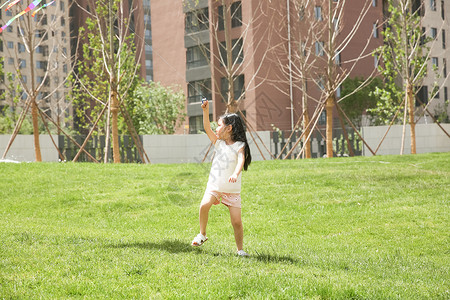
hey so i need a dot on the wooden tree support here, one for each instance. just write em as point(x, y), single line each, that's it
point(133, 133)
point(41, 113)
point(434, 119)
point(71, 139)
point(354, 128)
point(90, 133)
point(390, 125)
point(17, 127)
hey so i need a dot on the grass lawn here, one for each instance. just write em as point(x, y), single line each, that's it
point(360, 228)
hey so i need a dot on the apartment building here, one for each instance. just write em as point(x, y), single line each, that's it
point(47, 66)
point(436, 24)
point(264, 41)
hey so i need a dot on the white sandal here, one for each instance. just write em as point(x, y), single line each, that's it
point(199, 240)
point(242, 253)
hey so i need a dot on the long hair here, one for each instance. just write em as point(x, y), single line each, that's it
point(238, 135)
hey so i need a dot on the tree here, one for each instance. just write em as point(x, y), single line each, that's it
point(323, 34)
point(107, 75)
point(405, 56)
point(357, 103)
point(156, 109)
point(46, 55)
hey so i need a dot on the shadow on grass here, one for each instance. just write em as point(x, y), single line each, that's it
point(176, 246)
point(172, 246)
point(274, 258)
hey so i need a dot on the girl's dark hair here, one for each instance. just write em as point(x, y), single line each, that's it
point(238, 134)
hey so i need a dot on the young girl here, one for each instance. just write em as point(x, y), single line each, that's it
point(232, 154)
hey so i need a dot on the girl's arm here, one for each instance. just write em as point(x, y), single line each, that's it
point(239, 166)
point(206, 125)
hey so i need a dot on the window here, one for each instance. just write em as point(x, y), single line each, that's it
point(319, 48)
point(238, 87)
point(323, 118)
point(337, 58)
point(433, 5)
point(236, 15)
point(444, 67)
point(433, 32)
point(445, 93)
point(442, 10)
point(417, 7)
point(443, 39)
point(374, 3)
point(435, 61)
point(196, 124)
point(195, 56)
point(375, 60)
point(11, 45)
point(422, 95)
point(11, 61)
point(22, 63)
point(301, 13)
point(41, 65)
point(21, 47)
point(375, 30)
point(197, 20)
point(318, 13)
point(321, 83)
point(199, 89)
point(237, 52)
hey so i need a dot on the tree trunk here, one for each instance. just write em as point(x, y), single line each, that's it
point(115, 126)
point(37, 146)
point(329, 131)
point(412, 122)
point(306, 135)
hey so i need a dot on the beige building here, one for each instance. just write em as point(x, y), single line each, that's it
point(36, 52)
point(436, 24)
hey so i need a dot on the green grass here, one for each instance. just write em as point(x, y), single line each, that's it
point(342, 228)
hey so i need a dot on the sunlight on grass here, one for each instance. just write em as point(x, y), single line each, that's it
point(345, 228)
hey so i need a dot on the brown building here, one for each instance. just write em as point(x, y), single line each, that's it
point(264, 41)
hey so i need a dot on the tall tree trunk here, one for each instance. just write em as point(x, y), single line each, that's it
point(115, 125)
point(34, 114)
point(412, 122)
point(306, 121)
point(231, 103)
point(329, 129)
point(34, 108)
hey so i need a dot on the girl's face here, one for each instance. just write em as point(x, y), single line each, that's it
point(223, 131)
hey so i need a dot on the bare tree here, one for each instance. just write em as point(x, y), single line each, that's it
point(322, 33)
point(110, 42)
point(44, 48)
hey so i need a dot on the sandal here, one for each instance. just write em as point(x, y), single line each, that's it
point(242, 253)
point(199, 240)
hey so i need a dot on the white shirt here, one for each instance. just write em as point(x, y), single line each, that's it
point(223, 166)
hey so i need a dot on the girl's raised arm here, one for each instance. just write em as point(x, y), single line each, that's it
point(206, 125)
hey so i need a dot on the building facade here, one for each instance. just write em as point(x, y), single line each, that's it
point(36, 58)
point(189, 41)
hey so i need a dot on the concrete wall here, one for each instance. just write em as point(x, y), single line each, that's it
point(429, 138)
point(160, 148)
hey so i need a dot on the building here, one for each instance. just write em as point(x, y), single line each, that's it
point(46, 68)
point(436, 24)
point(264, 41)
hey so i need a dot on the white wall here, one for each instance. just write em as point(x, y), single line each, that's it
point(159, 148)
point(429, 138)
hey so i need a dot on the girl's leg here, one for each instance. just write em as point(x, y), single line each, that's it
point(207, 201)
point(236, 221)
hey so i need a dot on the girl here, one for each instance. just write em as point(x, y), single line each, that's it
point(232, 154)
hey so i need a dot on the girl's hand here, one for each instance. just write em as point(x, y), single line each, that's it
point(233, 178)
point(205, 104)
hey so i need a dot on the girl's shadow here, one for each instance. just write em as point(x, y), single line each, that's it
point(172, 246)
